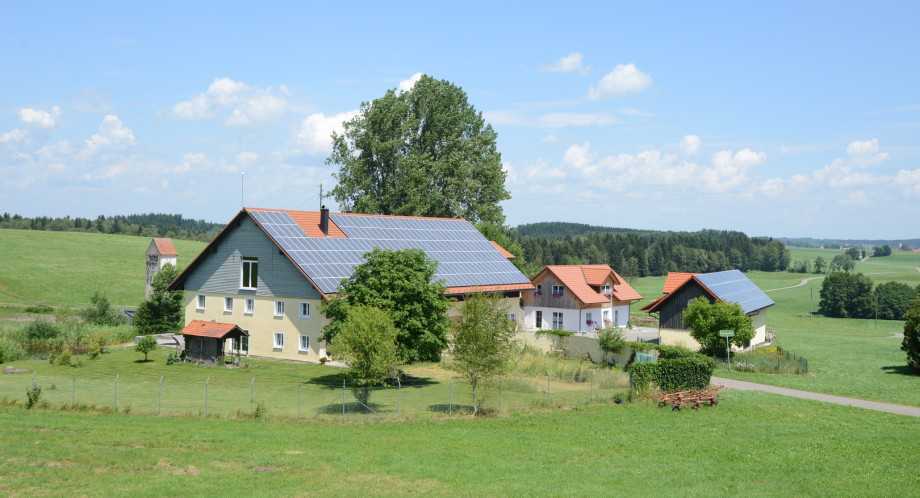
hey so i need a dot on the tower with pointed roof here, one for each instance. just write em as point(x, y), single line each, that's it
point(160, 253)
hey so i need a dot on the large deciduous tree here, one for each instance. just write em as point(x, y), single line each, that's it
point(421, 152)
point(846, 295)
point(483, 342)
point(163, 311)
point(892, 300)
point(399, 282)
point(706, 319)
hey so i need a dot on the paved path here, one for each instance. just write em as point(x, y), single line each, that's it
point(827, 398)
point(803, 282)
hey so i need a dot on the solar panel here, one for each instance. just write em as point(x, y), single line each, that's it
point(733, 287)
point(465, 257)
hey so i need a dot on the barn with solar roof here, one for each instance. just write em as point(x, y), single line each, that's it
point(730, 286)
point(269, 271)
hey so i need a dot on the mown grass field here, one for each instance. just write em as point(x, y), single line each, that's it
point(751, 444)
point(65, 268)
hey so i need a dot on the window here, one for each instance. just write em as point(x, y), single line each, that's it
point(557, 320)
point(250, 306)
point(606, 318)
point(304, 310)
point(558, 291)
point(539, 319)
point(228, 304)
point(250, 273)
point(589, 321)
point(279, 308)
point(279, 340)
point(512, 317)
point(539, 290)
point(201, 301)
point(304, 342)
point(605, 290)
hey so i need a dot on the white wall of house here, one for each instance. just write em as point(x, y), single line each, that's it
point(576, 320)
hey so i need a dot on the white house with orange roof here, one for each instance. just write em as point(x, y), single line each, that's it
point(578, 298)
point(270, 270)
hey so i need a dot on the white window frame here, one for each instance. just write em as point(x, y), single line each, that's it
point(250, 307)
point(240, 344)
point(279, 308)
point(588, 320)
point(304, 306)
point(301, 346)
point(558, 322)
point(244, 263)
point(539, 319)
point(539, 290)
point(558, 291)
point(201, 301)
point(228, 304)
point(606, 290)
point(512, 316)
point(279, 340)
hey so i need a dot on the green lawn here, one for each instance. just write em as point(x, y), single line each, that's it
point(65, 268)
point(751, 444)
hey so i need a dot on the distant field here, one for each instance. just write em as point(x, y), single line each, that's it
point(65, 268)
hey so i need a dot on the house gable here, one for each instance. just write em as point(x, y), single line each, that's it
point(218, 268)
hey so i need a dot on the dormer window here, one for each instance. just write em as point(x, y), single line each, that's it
point(606, 290)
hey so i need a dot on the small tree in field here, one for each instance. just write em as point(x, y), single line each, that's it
point(146, 345)
point(610, 341)
point(483, 342)
point(911, 342)
point(366, 341)
point(706, 319)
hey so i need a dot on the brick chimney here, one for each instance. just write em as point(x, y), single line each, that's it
point(324, 220)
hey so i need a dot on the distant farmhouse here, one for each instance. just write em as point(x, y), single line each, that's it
point(160, 253)
point(578, 298)
point(269, 271)
point(728, 286)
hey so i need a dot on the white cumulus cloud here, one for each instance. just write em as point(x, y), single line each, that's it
point(248, 106)
point(623, 79)
point(866, 153)
point(406, 85)
point(113, 134)
point(315, 135)
point(567, 64)
point(39, 118)
point(690, 145)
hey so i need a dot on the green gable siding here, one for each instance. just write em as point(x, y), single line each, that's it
point(219, 269)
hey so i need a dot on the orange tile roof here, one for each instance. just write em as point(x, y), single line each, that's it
point(675, 280)
point(165, 247)
point(579, 279)
point(502, 250)
point(216, 330)
point(308, 221)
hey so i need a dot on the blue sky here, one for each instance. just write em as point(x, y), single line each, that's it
point(780, 119)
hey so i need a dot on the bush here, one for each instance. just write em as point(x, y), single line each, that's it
point(610, 341)
point(10, 350)
point(691, 372)
point(40, 331)
point(101, 311)
point(911, 342)
point(32, 396)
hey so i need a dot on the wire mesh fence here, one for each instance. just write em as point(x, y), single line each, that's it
point(312, 398)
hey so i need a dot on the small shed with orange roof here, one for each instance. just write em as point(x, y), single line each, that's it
point(204, 340)
point(578, 298)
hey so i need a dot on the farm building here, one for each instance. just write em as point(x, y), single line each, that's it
point(207, 341)
point(578, 298)
point(269, 271)
point(728, 286)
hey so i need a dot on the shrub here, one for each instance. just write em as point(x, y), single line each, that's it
point(146, 345)
point(10, 350)
point(911, 342)
point(40, 331)
point(610, 341)
point(32, 396)
point(101, 311)
point(691, 372)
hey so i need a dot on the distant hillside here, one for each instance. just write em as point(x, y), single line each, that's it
point(810, 242)
point(561, 229)
point(143, 225)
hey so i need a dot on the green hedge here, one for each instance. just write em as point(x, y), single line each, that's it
point(691, 372)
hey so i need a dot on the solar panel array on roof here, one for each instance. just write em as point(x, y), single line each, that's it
point(733, 287)
point(465, 257)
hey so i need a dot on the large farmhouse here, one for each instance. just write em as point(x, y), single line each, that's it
point(269, 271)
point(578, 298)
point(728, 286)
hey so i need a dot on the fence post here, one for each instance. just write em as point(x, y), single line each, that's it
point(398, 397)
point(206, 382)
point(160, 396)
point(251, 384)
point(116, 390)
point(549, 397)
point(343, 400)
point(450, 399)
point(499, 395)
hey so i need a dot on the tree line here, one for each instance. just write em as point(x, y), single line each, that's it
point(144, 225)
point(635, 253)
